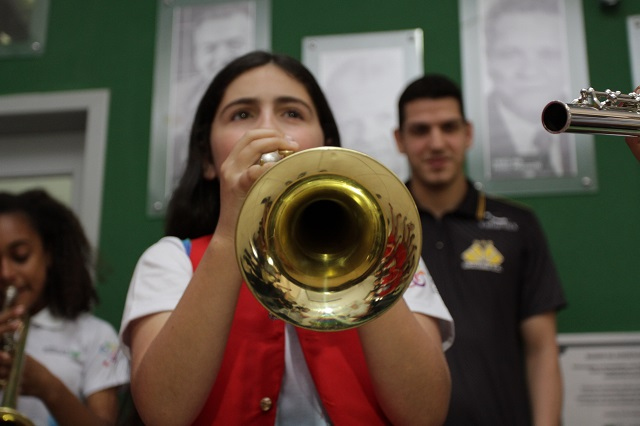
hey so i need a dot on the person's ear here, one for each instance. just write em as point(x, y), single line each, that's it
point(399, 143)
point(469, 132)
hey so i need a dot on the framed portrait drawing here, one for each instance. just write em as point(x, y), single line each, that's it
point(363, 75)
point(195, 39)
point(517, 56)
point(23, 27)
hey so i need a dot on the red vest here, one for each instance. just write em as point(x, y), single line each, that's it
point(248, 384)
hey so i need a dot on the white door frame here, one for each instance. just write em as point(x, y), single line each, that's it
point(95, 103)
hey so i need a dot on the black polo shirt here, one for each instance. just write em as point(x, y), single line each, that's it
point(492, 266)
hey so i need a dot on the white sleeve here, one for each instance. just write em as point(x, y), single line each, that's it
point(106, 366)
point(422, 297)
point(159, 280)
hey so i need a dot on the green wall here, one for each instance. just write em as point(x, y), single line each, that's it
point(100, 44)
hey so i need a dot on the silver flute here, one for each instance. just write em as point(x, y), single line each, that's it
point(594, 112)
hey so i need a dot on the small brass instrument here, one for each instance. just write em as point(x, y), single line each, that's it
point(14, 343)
point(328, 239)
point(608, 113)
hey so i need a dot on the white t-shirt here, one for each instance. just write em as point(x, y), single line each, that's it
point(83, 353)
point(164, 271)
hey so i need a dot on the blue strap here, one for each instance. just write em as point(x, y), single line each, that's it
point(187, 245)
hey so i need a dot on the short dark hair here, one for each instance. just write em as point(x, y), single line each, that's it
point(69, 290)
point(429, 86)
point(194, 208)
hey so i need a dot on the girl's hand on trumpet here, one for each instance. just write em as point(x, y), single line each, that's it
point(240, 166)
point(10, 324)
point(11, 319)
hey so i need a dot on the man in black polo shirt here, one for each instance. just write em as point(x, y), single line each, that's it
point(490, 262)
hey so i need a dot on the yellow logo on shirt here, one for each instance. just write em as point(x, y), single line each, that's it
point(482, 255)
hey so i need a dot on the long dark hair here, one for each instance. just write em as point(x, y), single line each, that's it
point(69, 290)
point(195, 204)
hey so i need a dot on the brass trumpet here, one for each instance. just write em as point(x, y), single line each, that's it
point(15, 345)
point(594, 112)
point(328, 239)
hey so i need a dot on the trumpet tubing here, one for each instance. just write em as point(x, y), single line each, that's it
point(328, 239)
point(15, 344)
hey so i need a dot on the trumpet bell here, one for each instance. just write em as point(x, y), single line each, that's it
point(328, 239)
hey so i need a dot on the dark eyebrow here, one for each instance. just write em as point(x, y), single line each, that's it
point(293, 99)
point(419, 125)
point(279, 100)
point(239, 101)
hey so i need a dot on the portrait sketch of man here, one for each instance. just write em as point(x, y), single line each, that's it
point(362, 86)
point(205, 38)
point(525, 65)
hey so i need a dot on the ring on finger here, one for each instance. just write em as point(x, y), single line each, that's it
point(272, 157)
